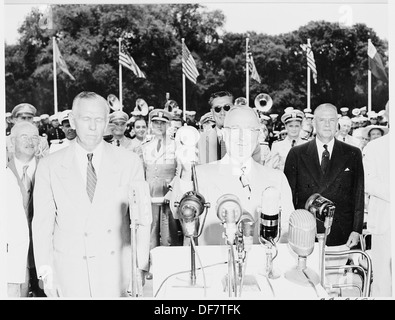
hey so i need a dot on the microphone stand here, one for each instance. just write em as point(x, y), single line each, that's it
point(195, 198)
point(321, 243)
point(136, 289)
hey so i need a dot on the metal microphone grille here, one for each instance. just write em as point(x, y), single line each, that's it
point(301, 233)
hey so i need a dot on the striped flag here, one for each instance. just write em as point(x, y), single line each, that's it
point(310, 59)
point(60, 61)
point(254, 72)
point(375, 63)
point(188, 64)
point(127, 61)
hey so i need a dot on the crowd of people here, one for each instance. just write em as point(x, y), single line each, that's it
point(69, 177)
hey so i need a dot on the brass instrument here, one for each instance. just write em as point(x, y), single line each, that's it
point(171, 106)
point(114, 102)
point(141, 108)
point(241, 101)
point(263, 102)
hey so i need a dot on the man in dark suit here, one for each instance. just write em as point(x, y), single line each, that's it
point(333, 169)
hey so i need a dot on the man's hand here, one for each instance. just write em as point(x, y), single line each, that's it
point(186, 155)
point(353, 239)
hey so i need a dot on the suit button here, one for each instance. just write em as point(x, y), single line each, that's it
point(112, 253)
point(86, 234)
point(109, 231)
point(84, 257)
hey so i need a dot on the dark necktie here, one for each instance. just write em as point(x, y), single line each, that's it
point(221, 147)
point(118, 144)
point(159, 145)
point(27, 182)
point(344, 139)
point(293, 143)
point(91, 178)
point(325, 159)
point(244, 181)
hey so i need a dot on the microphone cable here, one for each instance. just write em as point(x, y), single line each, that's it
point(201, 265)
point(311, 283)
point(185, 271)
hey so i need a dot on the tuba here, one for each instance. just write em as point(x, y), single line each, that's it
point(241, 101)
point(171, 106)
point(263, 102)
point(113, 102)
point(141, 108)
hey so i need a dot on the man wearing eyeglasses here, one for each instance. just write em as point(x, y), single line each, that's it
point(211, 146)
point(25, 112)
point(236, 173)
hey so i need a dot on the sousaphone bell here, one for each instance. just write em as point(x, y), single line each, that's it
point(263, 102)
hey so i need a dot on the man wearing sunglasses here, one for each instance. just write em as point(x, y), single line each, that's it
point(211, 145)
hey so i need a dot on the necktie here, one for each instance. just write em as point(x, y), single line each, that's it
point(27, 182)
point(118, 144)
point(244, 181)
point(293, 143)
point(325, 159)
point(344, 139)
point(159, 145)
point(91, 178)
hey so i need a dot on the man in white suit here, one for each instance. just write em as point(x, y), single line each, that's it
point(377, 185)
point(19, 210)
point(81, 227)
point(226, 177)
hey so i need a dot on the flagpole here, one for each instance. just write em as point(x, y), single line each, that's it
point(247, 75)
point(120, 74)
point(184, 97)
point(369, 85)
point(308, 79)
point(55, 87)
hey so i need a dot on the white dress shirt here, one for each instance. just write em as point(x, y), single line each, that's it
point(320, 148)
point(82, 159)
point(30, 170)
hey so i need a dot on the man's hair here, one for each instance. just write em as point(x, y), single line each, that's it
point(20, 126)
point(325, 105)
point(141, 118)
point(219, 94)
point(85, 95)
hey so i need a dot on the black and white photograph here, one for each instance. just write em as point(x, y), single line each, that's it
point(196, 151)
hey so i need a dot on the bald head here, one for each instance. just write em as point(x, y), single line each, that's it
point(242, 117)
point(25, 139)
point(21, 127)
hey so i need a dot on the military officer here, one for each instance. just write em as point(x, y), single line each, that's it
point(55, 133)
point(118, 120)
point(292, 120)
point(160, 168)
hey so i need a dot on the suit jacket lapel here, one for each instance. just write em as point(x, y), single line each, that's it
point(337, 162)
point(71, 178)
point(312, 162)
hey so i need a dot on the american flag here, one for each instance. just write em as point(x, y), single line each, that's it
point(61, 62)
point(310, 59)
point(254, 72)
point(188, 64)
point(127, 61)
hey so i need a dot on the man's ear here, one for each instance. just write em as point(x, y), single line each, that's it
point(72, 120)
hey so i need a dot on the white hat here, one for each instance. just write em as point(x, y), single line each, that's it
point(356, 112)
point(384, 129)
point(381, 113)
point(309, 115)
point(372, 114)
point(64, 115)
point(36, 119)
point(53, 117)
point(344, 109)
point(44, 116)
point(288, 109)
point(307, 110)
point(8, 114)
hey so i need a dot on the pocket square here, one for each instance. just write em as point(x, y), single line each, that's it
point(347, 169)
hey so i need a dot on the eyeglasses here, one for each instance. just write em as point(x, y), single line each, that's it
point(26, 138)
point(218, 109)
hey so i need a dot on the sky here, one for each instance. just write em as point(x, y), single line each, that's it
point(271, 18)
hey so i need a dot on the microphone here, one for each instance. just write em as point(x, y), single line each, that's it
point(322, 209)
point(270, 216)
point(245, 228)
point(301, 239)
point(229, 212)
point(190, 207)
